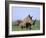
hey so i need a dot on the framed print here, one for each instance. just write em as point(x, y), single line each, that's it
point(24, 18)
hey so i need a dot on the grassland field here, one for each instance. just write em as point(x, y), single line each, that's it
point(34, 27)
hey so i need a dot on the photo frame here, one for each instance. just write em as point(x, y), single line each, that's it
point(21, 5)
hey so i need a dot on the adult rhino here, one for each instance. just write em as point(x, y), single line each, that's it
point(27, 22)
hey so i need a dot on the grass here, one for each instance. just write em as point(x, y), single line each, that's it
point(34, 27)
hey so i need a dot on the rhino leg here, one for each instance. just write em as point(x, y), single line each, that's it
point(30, 27)
point(21, 27)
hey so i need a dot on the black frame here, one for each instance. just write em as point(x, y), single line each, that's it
point(7, 18)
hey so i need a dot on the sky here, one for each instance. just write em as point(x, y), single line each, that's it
point(18, 13)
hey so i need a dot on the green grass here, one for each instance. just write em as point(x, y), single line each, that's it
point(34, 27)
